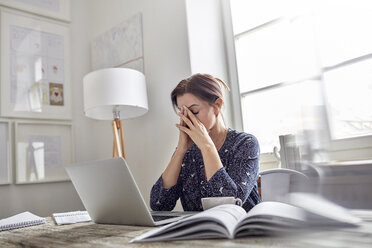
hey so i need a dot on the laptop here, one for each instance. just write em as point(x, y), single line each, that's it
point(111, 196)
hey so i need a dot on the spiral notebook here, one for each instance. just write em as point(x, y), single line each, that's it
point(21, 220)
point(71, 217)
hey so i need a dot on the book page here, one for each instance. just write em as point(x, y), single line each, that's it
point(228, 215)
point(217, 222)
point(277, 209)
point(202, 231)
point(321, 210)
point(267, 215)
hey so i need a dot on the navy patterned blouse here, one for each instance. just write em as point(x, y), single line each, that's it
point(240, 159)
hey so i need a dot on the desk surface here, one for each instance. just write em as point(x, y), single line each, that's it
point(95, 235)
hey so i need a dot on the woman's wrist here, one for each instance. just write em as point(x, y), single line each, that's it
point(207, 147)
point(181, 150)
point(171, 173)
point(206, 144)
point(211, 160)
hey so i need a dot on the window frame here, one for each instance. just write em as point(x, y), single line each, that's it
point(356, 147)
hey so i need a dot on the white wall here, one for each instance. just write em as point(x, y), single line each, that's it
point(151, 139)
point(207, 45)
point(46, 198)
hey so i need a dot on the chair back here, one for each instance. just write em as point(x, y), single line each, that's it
point(274, 184)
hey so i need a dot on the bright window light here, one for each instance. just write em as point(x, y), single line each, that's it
point(349, 100)
point(294, 56)
point(279, 111)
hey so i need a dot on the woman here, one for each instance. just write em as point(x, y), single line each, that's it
point(210, 160)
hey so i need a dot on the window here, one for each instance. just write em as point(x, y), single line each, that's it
point(305, 65)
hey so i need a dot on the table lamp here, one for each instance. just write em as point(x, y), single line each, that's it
point(115, 94)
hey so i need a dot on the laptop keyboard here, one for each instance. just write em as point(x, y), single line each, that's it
point(162, 217)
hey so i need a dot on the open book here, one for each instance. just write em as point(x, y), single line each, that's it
point(231, 221)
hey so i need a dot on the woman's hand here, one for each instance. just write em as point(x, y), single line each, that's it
point(184, 141)
point(194, 129)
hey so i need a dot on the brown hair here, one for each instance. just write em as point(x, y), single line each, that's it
point(203, 86)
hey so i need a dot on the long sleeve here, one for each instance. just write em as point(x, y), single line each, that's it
point(240, 159)
point(240, 176)
point(162, 199)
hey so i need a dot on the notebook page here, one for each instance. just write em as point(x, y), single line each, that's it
point(71, 217)
point(21, 220)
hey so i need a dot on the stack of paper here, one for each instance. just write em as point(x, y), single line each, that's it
point(71, 217)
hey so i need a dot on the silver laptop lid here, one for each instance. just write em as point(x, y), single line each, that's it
point(109, 192)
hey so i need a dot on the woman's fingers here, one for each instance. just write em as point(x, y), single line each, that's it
point(186, 120)
point(192, 116)
point(184, 129)
point(182, 123)
point(182, 111)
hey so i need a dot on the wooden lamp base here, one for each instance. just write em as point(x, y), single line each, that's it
point(119, 150)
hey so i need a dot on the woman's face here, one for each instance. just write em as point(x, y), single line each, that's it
point(203, 111)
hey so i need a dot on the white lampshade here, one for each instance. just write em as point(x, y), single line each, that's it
point(119, 89)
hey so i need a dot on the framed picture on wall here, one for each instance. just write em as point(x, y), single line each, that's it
point(5, 153)
point(42, 149)
point(121, 46)
point(35, 60)
point(58, 9)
